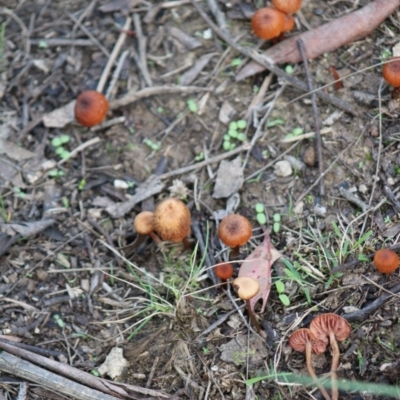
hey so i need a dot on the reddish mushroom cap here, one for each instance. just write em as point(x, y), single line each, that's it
point(391, 71)
point(224, 271)
point(91, 108)
point(322, 325)
point(267, 23)
point(386, 261)
point(298, 340)
point(172, 220)
point(287, 6)
point(289, 23)
point(234, 230)
point(144, 223)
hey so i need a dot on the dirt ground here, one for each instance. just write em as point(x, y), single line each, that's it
point(77, 282)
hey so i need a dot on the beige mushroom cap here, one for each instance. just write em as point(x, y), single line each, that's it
point(246, 287)
point(143, 223)
point(172, 220)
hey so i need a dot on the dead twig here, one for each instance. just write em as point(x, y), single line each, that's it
point(114, 55)
point(392, 198)
point(318, 139)
point(364, 313)
point(134, 95)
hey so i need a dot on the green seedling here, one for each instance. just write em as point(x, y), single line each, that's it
point(82, 184)
point(236, 62)
point(295, 132)
point(192, 106)
point(94, 372)
point(200, 156)
point(280, 288)
point(261, 217)
point(59, 321)
point(234, 132)
point(58, 144)
point(18, 191)
point(154, 146)
point(289, 69)
point(56, 173)
point(385, 55)
point(160, 110)
point(65, 202)
point(277, 223)
point(274, 122)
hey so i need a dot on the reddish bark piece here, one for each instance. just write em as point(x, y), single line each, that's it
point(327, 37)
point(258, 266)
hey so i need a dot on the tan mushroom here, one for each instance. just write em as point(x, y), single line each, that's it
point(234, 231)
point(144, 225)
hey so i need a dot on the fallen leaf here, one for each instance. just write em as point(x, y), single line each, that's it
point(229, 178)
point(258, 266)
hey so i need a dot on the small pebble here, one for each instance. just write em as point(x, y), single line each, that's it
point(283, 168)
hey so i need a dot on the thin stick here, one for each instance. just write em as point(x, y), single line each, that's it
point(266, 62)
point(80, 148)
point(89, 35)
point(204, 163)
point(116, 73)
point(134, 95)
point(318, 139)
point(114, 55)
point(142, 50)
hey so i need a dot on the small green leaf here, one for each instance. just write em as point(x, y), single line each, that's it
point(226, 145)
point(55, 142)
point(284, 299)
point(192, 106)
point(273, 122)
point(236, 62)
point(65, 154)
point(64, 139)
point(280, 286)
point(241, 124)
point(233, 133)
point(362, 257)
point(277, 217)
point(227, 138)
point(289, 69)
point(276, 227)
point(297, 131)
point(259, 207)
point(261, 218)
point(241, 137)
point(233, 126)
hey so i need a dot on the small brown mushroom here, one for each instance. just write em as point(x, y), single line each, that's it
point(331, 328)
point(224, 271)
point(172, 221)
point(303, 340)
point(91, 108)
point(246, 289)
point(386, 261)
point(144, 225)
point(391, 74)
point(234, 231)
point(267, 23)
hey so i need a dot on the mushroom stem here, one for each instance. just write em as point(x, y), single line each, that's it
point(312, 372)
point(335, 365)
point(253, 318)
point(156, 239)
point(235, 252)
point(396, 93)
point(186, 243)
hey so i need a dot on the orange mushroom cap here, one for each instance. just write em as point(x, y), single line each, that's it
point(267, 23)
point(224, 271)
point(144, 223)
point(287, 6)
point(322, 325)
point(172, 220)
point(289, 23)
point(246, 287)
point(234, 230)
point(91, 108)
point(298, 340)
point(386, 261)
point(391, 71)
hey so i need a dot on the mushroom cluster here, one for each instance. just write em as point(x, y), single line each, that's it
point(324, 329)
point(170, 220)
point(269, 23)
